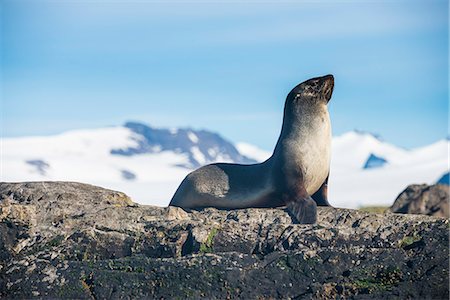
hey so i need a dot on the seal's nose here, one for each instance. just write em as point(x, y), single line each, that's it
point(327, 86)
point(328, 77)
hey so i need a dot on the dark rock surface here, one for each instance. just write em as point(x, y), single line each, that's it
point(432, 200)
point(374, 161)
point(71, 240)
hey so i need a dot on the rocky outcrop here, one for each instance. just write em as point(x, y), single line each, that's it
point(445, 179)
point(71, 240)
point(432, 200)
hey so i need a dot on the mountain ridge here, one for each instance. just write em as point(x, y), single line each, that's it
point(201, 146)
point(149, 163)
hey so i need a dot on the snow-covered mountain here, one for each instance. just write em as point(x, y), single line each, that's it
point(252, 151)
point(354, 149)
point(149, 163)
point(367, 171)
point(200, 147)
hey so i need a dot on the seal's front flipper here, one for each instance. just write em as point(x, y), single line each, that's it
point(303, 210)
point(321, 196)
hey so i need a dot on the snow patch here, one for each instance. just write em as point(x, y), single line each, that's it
point(212, 152)
point(198, 155)
point(156, 148)
point(173, 130)
point(253, 152)
point(193, 137)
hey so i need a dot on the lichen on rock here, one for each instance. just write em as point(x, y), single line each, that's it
point(72, 240)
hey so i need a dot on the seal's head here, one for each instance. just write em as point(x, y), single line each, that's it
point(309, 100)
point(312, 91)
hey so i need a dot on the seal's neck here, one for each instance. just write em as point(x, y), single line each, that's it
point(306, 132)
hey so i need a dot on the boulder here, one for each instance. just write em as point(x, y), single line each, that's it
point(432, 200)
point(72, 240)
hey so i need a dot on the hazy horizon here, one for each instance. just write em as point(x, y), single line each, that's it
point(270, 148)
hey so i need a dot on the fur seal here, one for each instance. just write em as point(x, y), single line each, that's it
point(296, 174)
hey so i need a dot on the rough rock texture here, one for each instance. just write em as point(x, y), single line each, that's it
point(432, 200)
point(71, 240)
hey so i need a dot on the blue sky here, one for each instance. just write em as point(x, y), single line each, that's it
point(224, 66)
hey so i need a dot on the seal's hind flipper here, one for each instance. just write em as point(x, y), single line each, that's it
point(321, 196)
point(303, 211)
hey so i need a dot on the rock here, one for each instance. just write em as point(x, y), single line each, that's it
point(72, 240)
point(445, 179)
point(423, 199)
